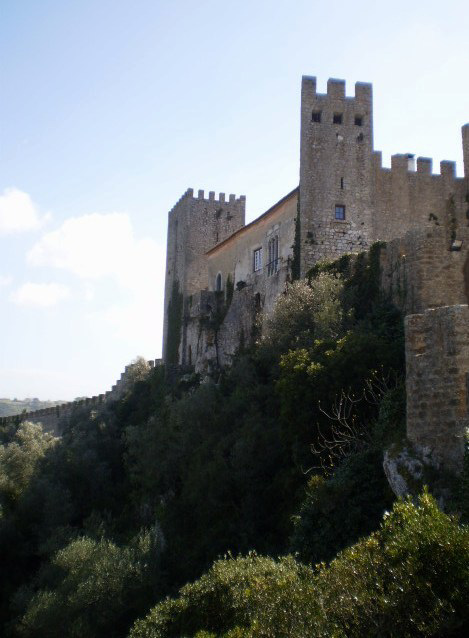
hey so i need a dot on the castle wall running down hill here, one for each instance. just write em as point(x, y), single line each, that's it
point(53, 419)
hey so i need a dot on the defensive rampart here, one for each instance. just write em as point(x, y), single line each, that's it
point(53, 419)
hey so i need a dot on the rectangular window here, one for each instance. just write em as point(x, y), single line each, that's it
point(337, 119)
point(358, 120)
point(340, 212)
point(316, 116)
point(257, 259)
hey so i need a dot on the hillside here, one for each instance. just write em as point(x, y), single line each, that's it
point(251, 505)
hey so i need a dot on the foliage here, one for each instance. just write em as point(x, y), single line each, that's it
point(340, 510)
point(174, 316)
point(253, 595)
point(305, 313)
point(296, 248)
point(95, 589)
point(410, 578)
point(229, 290)
point(220, 467)
point(18, 460)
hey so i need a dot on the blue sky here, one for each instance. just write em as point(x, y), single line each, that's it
point(111, 109)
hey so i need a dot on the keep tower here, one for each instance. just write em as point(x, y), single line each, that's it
point(335, 170)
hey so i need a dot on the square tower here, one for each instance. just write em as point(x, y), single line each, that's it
point(335, 171)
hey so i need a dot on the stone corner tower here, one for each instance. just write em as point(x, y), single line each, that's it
point(195, 224)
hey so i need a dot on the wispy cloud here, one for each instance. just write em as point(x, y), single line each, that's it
point(5, 280)
point(102, 246)
point(40, 295)
point(95, 246)
point(18, 212)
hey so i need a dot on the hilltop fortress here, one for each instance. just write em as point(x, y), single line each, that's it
point(221, 272)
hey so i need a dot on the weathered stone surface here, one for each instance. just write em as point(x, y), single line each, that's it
point(437, 373)
point(405, 469)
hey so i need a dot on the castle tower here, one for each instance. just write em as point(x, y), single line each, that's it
point(335, 171)
point(195, 225)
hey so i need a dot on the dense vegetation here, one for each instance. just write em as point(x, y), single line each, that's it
point(281, 456)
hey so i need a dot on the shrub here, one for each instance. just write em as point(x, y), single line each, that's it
point(411, 578)
point(19, 459)
point(408, 579)
point(251, 596)
point(305, 312)
point(99, 588)
point(336, 512)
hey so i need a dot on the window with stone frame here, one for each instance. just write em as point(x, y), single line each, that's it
point(257, 261)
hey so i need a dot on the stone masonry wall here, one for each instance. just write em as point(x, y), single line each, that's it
point(405, 198)
point(339, 167)
point(437, 360)
point(196, 224)
point(422, 270)
point(335, 169)
point(53, 418)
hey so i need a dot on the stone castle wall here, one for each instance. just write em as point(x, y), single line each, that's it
point(423, 269)
point(437, 380)
point(52, 419)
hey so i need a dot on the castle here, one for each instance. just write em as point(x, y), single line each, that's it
point(220, 272)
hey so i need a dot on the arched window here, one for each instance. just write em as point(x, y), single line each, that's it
point(218, 282)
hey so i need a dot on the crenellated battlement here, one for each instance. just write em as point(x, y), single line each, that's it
point(221, 199)
point(51, 417)
point(336, 90)
point(405, 163)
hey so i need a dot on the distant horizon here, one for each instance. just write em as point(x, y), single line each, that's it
point(113, 110)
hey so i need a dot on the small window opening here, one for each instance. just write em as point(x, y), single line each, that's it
point(337, 119)
point(358, 120)
point(342, 183)
point(257, 259)
point(316, 116)
point(340, 212)
point(218, 282)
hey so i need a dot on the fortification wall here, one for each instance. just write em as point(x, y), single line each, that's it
point(437, 380)
point(53, 419)
point(406, 199)
point(427, 269)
